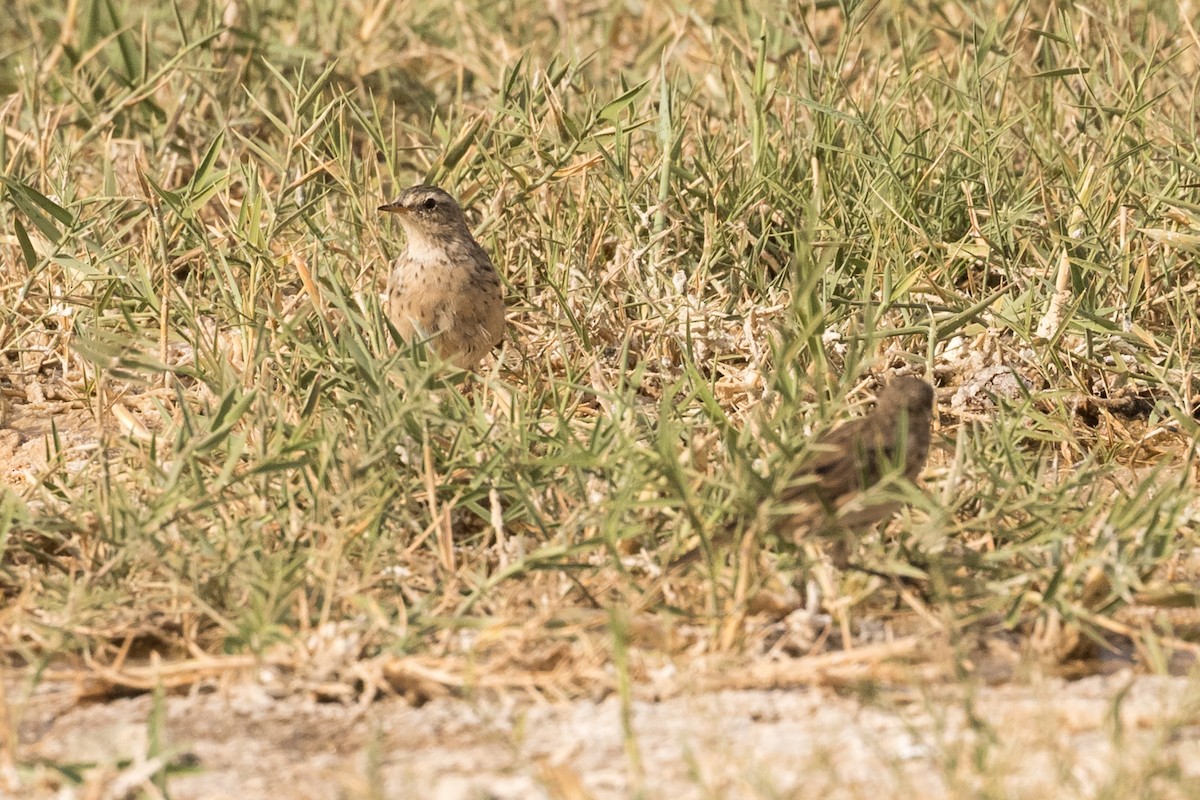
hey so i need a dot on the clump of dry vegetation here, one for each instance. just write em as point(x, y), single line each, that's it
point(718, 228)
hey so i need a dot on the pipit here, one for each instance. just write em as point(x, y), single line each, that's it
point(443, 289)
point(892, 439)
point(831, 492)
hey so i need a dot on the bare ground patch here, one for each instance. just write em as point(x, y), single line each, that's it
point(1115, 734)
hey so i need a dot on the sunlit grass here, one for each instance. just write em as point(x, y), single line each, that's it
point(716, 230)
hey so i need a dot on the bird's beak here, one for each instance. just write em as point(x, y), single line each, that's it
point(394, 208)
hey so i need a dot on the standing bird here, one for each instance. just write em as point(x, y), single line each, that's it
point(443, 289)
point(830, 492)
point(892, 438)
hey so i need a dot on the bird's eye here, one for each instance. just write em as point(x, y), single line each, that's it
point(430, 204)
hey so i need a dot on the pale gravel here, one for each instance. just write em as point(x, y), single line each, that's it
point(1041, 739)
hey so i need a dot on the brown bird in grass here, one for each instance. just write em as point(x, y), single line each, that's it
point(892, 438)
point(829, 493)
point(443, 289)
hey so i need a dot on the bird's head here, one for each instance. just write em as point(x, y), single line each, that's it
point(911, 394)
point(427, 209)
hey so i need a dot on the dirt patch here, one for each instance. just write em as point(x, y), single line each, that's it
point(1050, 738)
point(42, 437)
point(27, 440)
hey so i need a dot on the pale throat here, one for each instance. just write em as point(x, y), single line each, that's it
point(424, 245)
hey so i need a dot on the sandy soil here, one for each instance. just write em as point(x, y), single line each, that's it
point(1044, 739)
